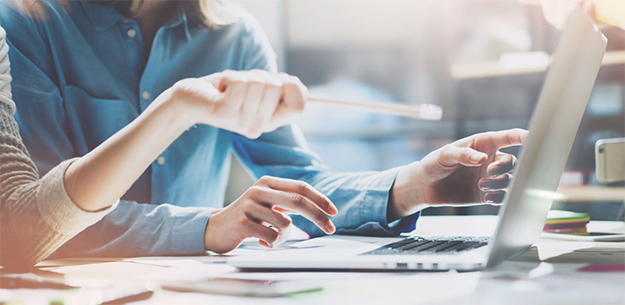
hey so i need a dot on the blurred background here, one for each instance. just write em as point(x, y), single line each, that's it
point(482, 61)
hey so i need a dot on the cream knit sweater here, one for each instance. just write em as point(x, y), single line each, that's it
point(36, 215)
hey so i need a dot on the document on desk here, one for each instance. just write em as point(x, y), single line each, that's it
point(189, 273)
point(177, 261)
point(335, 246)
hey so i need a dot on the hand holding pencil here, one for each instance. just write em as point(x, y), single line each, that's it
point(251, 103)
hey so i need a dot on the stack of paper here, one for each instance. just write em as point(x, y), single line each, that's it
point(566, 222)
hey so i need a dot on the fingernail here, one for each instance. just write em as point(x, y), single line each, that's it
point(486, 185)
point(330, 228)
point(475, 158)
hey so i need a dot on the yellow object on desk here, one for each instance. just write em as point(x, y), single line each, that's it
point(611, 12)
point(560, 217)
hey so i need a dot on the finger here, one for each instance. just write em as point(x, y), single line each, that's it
point(452, 156)
point(283, 235)
point(293, 100)
point(251, 103)
point(269, 104)
point(299, 204)
point(263, 243)
point(283, 210)
point(261, 213)
point(494, 197)
point(299, 187)
point(303, 206)
point(215, 79)
point(234, 94)
point(589, 8)
point(276, 243)
point(257, 230)
point(506, 138)
point(221, 79)
point(503, 163)
point(495, 183)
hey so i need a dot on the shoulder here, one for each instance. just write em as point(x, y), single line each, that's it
point(248, 34)
point(29, 29)
point(33, 10)
point(242, 26)
point(21, 16)
point(18, 21)
point(245, 22)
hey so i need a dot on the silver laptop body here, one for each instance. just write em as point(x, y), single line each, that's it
point(554, 124)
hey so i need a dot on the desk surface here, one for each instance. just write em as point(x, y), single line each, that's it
point(524, 280)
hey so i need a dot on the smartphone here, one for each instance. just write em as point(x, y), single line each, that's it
point(592, 236)
point(610, 160)
point(243, 287)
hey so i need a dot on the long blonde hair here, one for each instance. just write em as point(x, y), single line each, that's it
point(209, 13)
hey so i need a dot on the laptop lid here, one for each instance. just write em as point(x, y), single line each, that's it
point(553, 127)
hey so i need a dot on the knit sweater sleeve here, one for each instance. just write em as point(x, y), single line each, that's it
point(37, 216)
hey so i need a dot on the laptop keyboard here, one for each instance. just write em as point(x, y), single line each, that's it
point(431, 245)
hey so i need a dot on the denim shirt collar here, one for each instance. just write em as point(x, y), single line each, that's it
point(104, 17)
point(101, 16)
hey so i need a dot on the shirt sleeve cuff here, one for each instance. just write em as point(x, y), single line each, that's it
point(187, 231)
point(60, 213)
point(375, 205)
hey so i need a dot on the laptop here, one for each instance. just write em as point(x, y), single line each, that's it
point(553, 127)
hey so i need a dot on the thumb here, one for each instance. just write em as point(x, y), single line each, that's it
point(451, 156)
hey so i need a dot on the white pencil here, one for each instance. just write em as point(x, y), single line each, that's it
point(424, 111)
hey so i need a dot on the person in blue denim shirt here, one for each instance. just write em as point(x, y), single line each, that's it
point(85, 69)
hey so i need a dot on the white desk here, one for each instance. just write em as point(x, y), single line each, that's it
point(555, 282)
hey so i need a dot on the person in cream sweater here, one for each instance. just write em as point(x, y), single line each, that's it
point(37, 215)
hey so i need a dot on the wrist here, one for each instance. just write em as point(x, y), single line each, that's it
point(407, 194)
point(209, 234)
point(171, 110)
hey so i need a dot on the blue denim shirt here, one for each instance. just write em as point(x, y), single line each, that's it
point(82, 74)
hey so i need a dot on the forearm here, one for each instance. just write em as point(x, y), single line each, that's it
point(102, 176)
point(134, 229)
point(37, 215)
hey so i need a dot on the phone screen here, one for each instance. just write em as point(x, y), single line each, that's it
point(249, 282)
point(594, 234)
point(243, 287)
point(602, 234)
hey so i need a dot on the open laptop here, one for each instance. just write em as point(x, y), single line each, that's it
point(555, 122)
